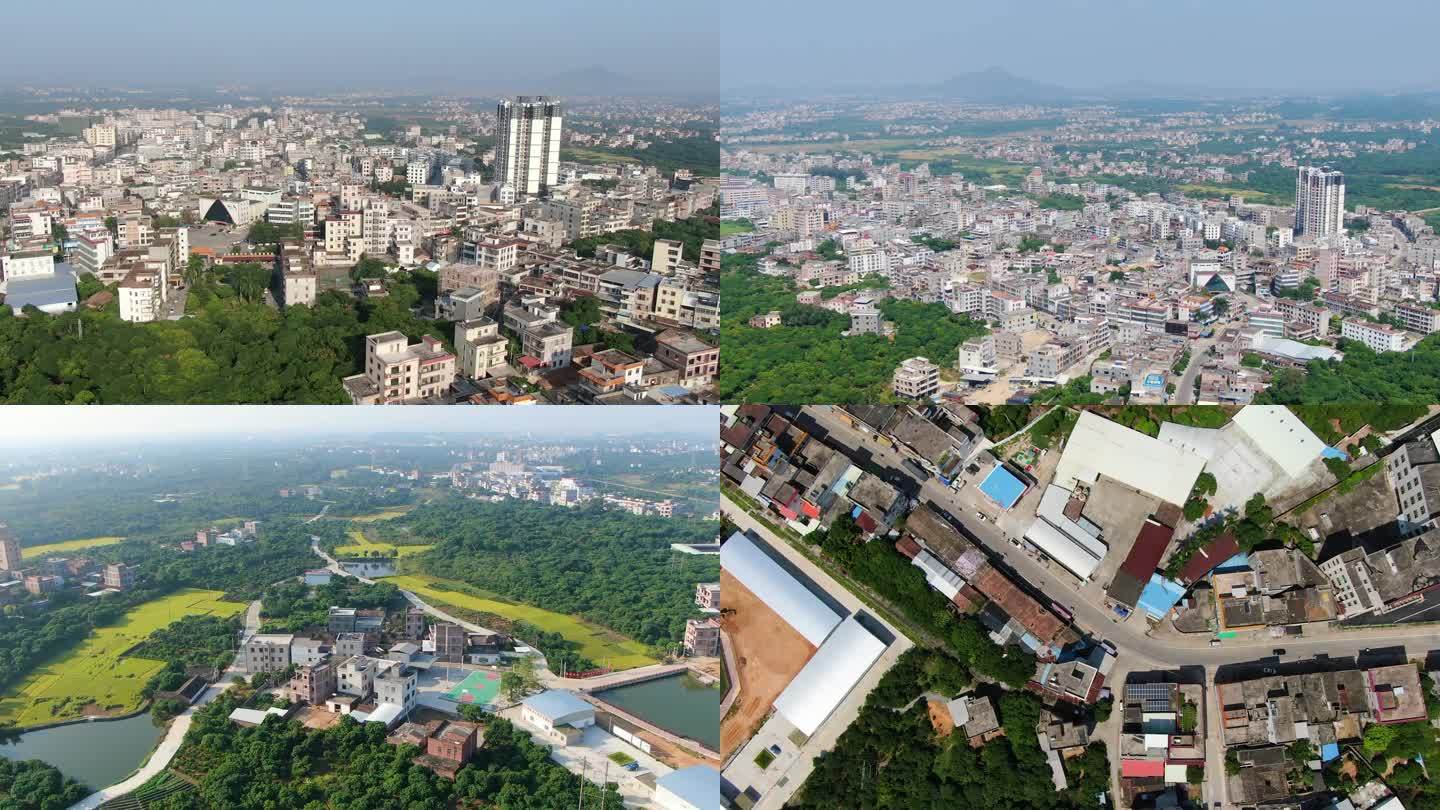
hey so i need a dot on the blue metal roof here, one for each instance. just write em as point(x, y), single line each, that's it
point(1002, 487)
point(1160, 595)
point(557, 703)
point(698, 784)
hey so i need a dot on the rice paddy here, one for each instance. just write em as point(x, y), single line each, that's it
point(67, 545)
point(96, 678)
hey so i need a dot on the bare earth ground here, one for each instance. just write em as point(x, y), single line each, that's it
point(768, 652)
point(940, 718)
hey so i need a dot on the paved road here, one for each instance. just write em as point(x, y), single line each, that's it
point(829, 732)
point(162, 755)
point(1185, 388)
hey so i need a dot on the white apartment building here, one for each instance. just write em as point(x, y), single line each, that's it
point(398, 372)
point(527, 144)
point(917, 378)
point(25, 264)
point(481, 347)
point(1319, 201)
point(1378, 336)
point(139, 296)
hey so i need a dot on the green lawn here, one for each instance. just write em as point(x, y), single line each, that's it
point(731, 227)
point(94, 678)
point(605, 647)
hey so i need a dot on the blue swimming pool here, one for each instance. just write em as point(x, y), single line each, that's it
point(1002, 487)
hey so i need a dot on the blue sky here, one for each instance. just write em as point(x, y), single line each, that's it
point(1244, 44)
point(357, 42)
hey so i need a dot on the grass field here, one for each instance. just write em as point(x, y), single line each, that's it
point(1247, 194)
point(67, 545)
point(363, 546)
point(603, 646)
point(728, 228)
point(385, 515)
point(93, 678)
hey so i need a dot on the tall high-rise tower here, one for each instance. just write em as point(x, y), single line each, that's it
point(527, 144)
point(9, 550)
point(1319, 201)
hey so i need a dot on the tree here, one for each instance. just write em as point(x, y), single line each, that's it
point(1377, 738)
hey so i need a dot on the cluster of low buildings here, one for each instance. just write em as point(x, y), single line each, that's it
point(36, 581)
point(135, 203)
point(1113, 285)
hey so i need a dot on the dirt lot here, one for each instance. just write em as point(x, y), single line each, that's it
point(940, 718)
point(768, 653)
point(313, 717)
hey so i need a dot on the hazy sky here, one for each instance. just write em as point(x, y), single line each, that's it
point(357, 42)
point(28, 424)
point(1316, 46)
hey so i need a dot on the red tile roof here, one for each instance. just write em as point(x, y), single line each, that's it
point(1149, 547)
point(1142, 767)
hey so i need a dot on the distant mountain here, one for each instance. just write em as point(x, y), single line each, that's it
point(998, 84)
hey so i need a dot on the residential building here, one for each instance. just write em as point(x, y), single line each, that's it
point(1319, 201)
point(917, 378)
point(398, 372)
point(313, 683)
point(707, 596)
point(481, 347)
point(1378, 336)
point(697, 361)
point(527, 144)
point(702, 637)
point(119, 576)
point(558, 715)
point(449, 641)
point(10, 555)
point(268, 652)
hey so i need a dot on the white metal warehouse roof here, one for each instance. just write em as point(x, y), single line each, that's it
point(777, 588)
point(1099, 447)
point(829, 676)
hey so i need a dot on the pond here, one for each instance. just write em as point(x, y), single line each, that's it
point(680, 704)
point(97, 753)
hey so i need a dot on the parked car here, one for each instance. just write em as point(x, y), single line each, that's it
point(1214, 642)
point(775, 749)
point(1278, 651)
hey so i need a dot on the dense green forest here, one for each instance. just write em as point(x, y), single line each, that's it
point(34, 785)
point(231, 351)
point(44, 510)
point(807, 359)
point(1363, 376)
point(891, 756)
point(350, 767)
point(607, 566)
point(693, 232)
point(700, 154)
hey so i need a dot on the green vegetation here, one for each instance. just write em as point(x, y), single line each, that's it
point(869, 282)
point(203, 639)
point(693, 232)
point(233, 350)
point(1053, 428)
point(808, 360)
point(293, 607)
point(730, 227)
point(98, 677)
point(350, 767)
point(893, 758)
point(1363, 376)
point(935, 243)
point(581, 645)
point(266, 233)
point(883, 569)
point(34, 552)
point(34, 785)
point(764, 758)
point(1062, 202)
point(623, 576)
